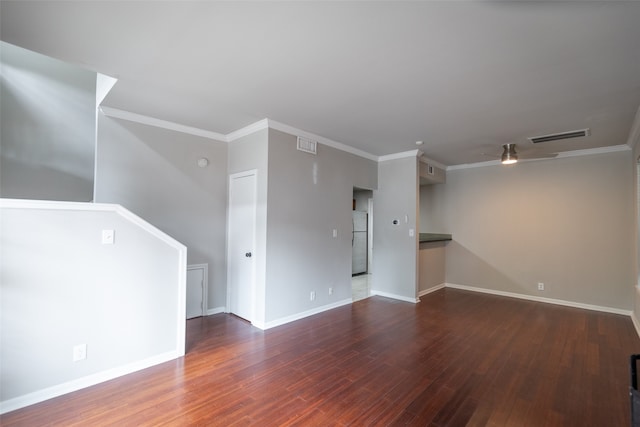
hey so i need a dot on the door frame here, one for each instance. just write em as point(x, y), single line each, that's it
point(254, 173)
point(369, 235)
point(205, 285)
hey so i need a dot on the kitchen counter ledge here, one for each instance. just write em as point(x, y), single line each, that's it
point(434, 237)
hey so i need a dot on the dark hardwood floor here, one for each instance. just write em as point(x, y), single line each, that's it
point(457, 358)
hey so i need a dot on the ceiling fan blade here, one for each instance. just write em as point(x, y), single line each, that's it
point(537, 156)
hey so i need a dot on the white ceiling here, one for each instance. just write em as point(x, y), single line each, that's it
point(464, 77)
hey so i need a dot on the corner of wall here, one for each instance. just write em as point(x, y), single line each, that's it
point(633, 140)
point(636, 309)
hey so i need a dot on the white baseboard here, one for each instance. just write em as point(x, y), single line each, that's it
point(433, 289)
point(216, 310)
point(394, 296)
point(542, 299)
point(80, 383)
point(298, 316)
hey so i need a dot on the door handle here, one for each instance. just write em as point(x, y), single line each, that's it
point(248, 254)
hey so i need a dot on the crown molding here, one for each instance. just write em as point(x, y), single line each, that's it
point(235, 135)
point(322, 140)
point(247, 130)
point(401, 155)
point(151, 121)
point(634, 137)
point(591, 151)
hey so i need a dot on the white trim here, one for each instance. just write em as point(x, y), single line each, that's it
point(80, 383)
point(243, 174)
point(562, 155)
point(205, 285)
point(298, 316)
point(370, 236)
point(104, 84)
point(104, 207)
point(541, 299)
point(53, 205)
point(164, 124)
point(395, 296)
point(272, 124)
point(247, 130)
point(322, 140)
point(401, 155)
point(216, 310)
point(181, 298)
point(433, 289)
point(235, 135)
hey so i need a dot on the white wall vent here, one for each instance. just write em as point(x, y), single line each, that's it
point(559, 136)
point(307, 145)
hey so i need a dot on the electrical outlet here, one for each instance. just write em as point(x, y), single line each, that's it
point(540, 286)
point(312, 296)
point(79, 352)
point(330, 291)
point(335, 232)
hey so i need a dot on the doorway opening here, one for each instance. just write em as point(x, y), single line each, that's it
point(197, 283)
point(361, 243)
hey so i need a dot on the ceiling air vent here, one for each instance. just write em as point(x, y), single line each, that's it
point(559, 136)
point(307, 145)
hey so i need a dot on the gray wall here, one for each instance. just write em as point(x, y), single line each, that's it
point(395, 252)
point(432, 214)
point(432, 258)
point(251, 153)
point(308, 197)
point(120, 299)
point(565, 222)
point(47, 127)
point(153, 172)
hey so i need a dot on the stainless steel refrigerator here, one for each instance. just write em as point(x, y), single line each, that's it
point(359, 243)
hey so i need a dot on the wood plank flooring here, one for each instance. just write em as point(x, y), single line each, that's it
point(455, 359)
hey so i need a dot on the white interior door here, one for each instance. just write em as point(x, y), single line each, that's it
point(196, 290)
point(241, 244)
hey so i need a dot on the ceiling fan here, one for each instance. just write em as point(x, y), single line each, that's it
point(510, 155)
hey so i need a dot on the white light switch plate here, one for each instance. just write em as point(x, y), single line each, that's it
point(108, 237)
point(79, 352)
point(411, 232)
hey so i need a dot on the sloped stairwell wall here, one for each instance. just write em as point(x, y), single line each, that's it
point(47, 127)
